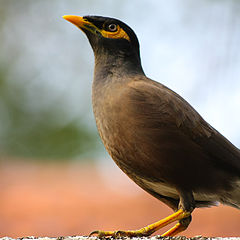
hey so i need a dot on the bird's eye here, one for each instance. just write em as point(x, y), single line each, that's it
point(112, 27)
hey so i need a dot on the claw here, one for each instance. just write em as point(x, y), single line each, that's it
point(101, 234)
point(92, 233)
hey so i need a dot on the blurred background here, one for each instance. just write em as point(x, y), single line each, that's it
point(55, 176)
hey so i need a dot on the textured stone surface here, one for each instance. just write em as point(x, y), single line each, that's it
point(158, 237)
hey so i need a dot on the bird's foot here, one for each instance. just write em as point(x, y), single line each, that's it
point(120, 233)
point(180, 215)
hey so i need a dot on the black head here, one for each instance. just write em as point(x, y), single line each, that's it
point(108, 36)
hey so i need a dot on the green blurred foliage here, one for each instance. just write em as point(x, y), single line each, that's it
point(36, 120)
point(27, 133)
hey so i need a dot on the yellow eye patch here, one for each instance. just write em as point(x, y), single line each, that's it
point(118, 34)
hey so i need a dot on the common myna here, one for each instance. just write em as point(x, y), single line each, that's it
point(153, 134)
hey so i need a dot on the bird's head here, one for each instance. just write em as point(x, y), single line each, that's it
point(108, 37)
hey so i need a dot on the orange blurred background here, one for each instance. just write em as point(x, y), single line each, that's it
point(74, 199)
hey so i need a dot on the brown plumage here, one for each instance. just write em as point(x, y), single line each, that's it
point(153, 134)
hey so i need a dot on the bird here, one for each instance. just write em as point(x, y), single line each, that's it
point(155, 136)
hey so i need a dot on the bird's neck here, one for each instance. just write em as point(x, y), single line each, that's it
point(116, 67)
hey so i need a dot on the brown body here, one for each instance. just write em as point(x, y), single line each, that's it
point(166, 145)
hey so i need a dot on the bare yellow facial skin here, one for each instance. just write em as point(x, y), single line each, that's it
point(82, 23)
point(120, 33)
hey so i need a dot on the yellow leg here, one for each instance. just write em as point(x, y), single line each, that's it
point(174, 230)
point(179, 227)
point(148, 230)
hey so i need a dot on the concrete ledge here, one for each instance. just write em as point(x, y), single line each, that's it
point(158, 237)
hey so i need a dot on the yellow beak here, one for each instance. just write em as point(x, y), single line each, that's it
point(76, 20)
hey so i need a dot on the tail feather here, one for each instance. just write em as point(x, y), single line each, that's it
point(234, 196)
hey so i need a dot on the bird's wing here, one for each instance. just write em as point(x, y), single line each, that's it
point(165, 107)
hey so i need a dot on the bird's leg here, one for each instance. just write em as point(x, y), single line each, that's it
point(183, 215)
point(148, 230)
point(179, 227)
point(186, 202)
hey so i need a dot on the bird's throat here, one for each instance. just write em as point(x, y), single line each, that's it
point(107, 65)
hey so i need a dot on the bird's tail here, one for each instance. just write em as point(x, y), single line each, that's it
point(234, 196)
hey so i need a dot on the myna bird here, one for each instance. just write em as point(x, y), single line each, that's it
point(153, 134)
